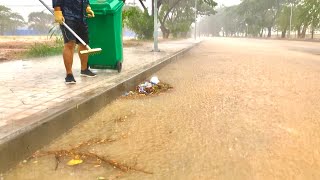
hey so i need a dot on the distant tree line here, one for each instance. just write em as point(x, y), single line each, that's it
point(262, 17)
point(39, 22)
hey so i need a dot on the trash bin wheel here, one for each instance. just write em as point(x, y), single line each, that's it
point(119, 66)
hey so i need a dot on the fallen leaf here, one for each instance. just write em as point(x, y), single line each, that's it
point(73, 162)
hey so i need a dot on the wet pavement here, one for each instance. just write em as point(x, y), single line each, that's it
point(239, 109)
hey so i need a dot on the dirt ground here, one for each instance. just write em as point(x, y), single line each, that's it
point(11, 47)
point(239, 109)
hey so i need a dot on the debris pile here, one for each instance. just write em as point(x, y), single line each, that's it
point(154, 86)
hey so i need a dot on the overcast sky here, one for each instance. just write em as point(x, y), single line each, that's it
point(25, 7)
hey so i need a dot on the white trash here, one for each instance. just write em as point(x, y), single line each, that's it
point(154, 80)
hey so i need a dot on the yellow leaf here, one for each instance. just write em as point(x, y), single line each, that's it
point(73, 162)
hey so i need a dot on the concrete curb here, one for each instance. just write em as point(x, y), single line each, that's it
point(54, 123)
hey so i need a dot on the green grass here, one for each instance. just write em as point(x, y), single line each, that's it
point(45, 49)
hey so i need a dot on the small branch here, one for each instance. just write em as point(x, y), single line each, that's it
point(57, 162)
point(122, 167)
point(92, 142)
point(144, 7)
point(168, 12)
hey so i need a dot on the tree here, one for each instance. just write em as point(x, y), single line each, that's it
point(138, 21)
point(283, 21)
point(180, 20)
point(167, 7)
point(170, 10)
point(9, 21)
point(213, 24)
point(308, 15)
point(40, 22)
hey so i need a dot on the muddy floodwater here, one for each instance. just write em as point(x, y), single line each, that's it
point(239, 109)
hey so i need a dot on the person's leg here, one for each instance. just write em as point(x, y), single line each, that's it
point(84, 63)
point(69, 45)
point(84, 35)
point(68, 52)
point(83, 57)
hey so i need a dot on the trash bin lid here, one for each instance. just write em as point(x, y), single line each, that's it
point(103, 7)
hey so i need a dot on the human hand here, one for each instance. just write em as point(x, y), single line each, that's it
point(90, 12)
point(58, 17)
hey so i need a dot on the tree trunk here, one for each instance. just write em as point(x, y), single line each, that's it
point(269, 32)
point(165, 32)
point(304, 30)
point(152, 8)
point(261, 33)
point(299, 32)
point(1, 30)
point(283, 33)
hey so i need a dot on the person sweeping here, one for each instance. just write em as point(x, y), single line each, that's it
point(74, 14)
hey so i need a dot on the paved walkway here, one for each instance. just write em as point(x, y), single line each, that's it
point(30, 87)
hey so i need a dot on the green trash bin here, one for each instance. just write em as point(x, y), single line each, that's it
point(105, 31)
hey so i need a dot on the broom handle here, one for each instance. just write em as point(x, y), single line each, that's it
point(65, 25)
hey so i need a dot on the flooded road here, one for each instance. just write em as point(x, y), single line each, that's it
point(239, 109)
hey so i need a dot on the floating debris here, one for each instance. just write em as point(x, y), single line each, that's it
point(152, 87)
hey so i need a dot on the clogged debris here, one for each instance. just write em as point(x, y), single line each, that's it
point(154, 86)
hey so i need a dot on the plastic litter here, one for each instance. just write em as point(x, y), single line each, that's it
point(141, 89)
point(154, 80)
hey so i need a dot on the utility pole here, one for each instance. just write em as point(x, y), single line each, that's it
point(290, 20)
point(195, 20)
point(247, 32)
point(155, 33)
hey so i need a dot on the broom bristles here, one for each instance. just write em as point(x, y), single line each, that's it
point(91, 51)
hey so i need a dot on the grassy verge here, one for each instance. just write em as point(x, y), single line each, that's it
point(54, 48)
point(44, 49)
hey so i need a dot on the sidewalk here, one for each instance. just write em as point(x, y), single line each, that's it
point(35, 88)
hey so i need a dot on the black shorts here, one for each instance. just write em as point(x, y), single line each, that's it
point(80, 28)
